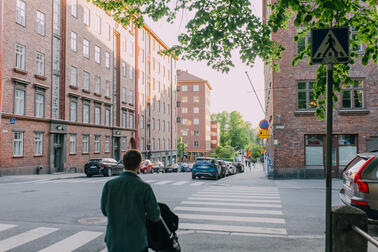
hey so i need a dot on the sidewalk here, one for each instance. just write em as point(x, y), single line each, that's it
point(54, 176)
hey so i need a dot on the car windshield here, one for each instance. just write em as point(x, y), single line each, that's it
point(355, 166)
point(204, 162)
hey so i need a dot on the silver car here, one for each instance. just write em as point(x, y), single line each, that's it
point(360, 183)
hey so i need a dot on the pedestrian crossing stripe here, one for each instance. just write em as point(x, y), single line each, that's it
point(180, 183)
point(163, 182)
point(229, 228)
point(235, 200)
point(228, 210)
point(6, 226)
point(231, 218)
point(188, 202)
point(235, 196)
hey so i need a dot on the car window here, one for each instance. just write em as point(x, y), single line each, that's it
point(94, 160)
point(355, 166)
point(371, 170)
point(204, 161)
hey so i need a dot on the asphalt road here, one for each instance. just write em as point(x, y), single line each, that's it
point(244, 212)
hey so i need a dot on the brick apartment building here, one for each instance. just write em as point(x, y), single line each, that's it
point(297, 142)
point(215, 135)
point(71, 86)
point(193, 121)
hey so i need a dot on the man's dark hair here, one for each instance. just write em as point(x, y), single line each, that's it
point(132, 159)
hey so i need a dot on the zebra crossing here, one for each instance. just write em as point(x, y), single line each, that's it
point(35, 235)
point(233, 210)
point(104, 180)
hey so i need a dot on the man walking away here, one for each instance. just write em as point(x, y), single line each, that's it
point(128, 201)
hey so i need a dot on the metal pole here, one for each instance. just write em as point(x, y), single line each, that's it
point(329, 159)
point(255, 92)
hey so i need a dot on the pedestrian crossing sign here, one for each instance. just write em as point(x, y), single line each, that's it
point(330, 45)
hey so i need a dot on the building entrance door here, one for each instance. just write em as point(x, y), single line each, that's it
point(58, 152)
point(116, 148)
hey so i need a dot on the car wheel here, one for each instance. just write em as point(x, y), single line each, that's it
point(108, 172)
point(193, 176)
point(89, 175)
point(152, 171)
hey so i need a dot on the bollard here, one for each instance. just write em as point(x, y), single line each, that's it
point(344, 238)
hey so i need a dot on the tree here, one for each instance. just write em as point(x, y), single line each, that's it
point(223, 119)
point(181, 147)
point(238, 131)
point(225, 152)
point(217, 28)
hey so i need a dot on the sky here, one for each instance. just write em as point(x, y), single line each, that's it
point(231, 91)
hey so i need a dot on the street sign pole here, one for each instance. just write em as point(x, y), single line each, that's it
point(329, 159)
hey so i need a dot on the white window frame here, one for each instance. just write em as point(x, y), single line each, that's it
point(195, 88)
point(124, 69)
point(107, 92)
point(18, 141)
point(196, 110)
point(73, 110)
point(107, 144)
point(97, 144)
point(40, 64)
point(196, 144)
point(124, 94)
point(21, 12)
point(86, 16)
point(124, 143)
point(20, 56)
point(86, 113)
point(184, 110)
point(184, 88)
point(86, 81)
point(73, 76)
point(124, 119)
point(86, 46)
point(38, 143)
point(97, 115)
point(85, 144)
point(97, 24)
point(72, 144)
point(74, 41)
point(196, 121)
point(98, 54)
point(19, 101)
point(107, 60)
point(98, 85)
point(74, 8)
point(131, 121)
point(107, 116)
point(107, 31)
point(39, 105)
point(41, 23)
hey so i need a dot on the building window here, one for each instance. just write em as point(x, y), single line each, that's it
point(302, 42)
point(163, 107)
point(97, 54)
point(196, 99)
point(107, 60)
point(86, 17)
point(195, 121)
point(86, 111)
point(56, 54)
point(40, 23)
point(124, 119)
point(164, 147)
point(20, 56)
point(196, 144)
point(184, 110)
point(107, 93)
point(97, 115)
point(39, 105)
point(163, 125)
point(124, 144)
point(158, 124)
point(74, 8)
point(159, 146)
point(184, 132)
point(196, 110)
point(358, 45)
point(306, 98)
point(195, 87)
point(159, 105)
point(124, 94)
point(74, 41)
point(40, 64)
point(86, 48)
point(21, 12)
point(73, 111)
point(107, 31)
point(196, 132)
point(73, 76)
point(131, 120)
point(142, 121)
point(184, 88)
point(18, 144)
point(124, 69)
point(153, 144)
point(184, 121)
point(56, 17)
point(107, 116)
point(314, 150)
point(141, 144)
point(19, 102)
point(85, 143)
point(184, 99)
point(347, 148)
point(353, 97)
point(131, 97)
point(38, 143)
point(107, 143)
point(97, 144)
point(153, 123)
point(97, 24)
point(72, 144)
point(168, 128)
point(86, 81)
point(98, 85)
point(124, 45)
point(131, 73)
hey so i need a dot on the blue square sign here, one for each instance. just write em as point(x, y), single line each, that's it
point(12, 120)
point(330, 45)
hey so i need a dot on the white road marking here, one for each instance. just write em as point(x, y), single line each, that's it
point(163, 182)
point(239, 193)
point(20, 239)
point(231, 218)
point(197, 183)
point(6, 226)
point(180, 183)
point(240, 229)
point(240, 200)
point(227, 210)
point(73, 242)
point(96, 181)
point(25, 182)
point(235, 189)
point(77, 180)
point(236, 196)
point(229, 204)
point(150, 180)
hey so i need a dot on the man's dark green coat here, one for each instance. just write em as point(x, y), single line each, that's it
point(127, 201)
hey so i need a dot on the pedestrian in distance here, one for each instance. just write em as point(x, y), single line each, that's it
point(128, 201)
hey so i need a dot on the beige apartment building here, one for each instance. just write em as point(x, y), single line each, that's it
point(74, 87)
point(193, 116)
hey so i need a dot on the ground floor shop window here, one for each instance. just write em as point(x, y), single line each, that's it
point(347, 149)
point(124, 143)
point(314, 150)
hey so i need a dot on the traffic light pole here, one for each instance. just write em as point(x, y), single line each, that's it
point(329, 159)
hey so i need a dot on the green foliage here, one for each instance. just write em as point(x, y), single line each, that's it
point(255, 152)
point(181, 147)
point(225, 152)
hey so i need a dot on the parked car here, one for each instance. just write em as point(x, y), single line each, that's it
point(223, 168)
point(231, 168)
point(184, 167)
point(172, 168)
point(103, 166)
point(157, 166)
point(146, 167)
point(206, 167)
point(239, 167)
point(360, 183)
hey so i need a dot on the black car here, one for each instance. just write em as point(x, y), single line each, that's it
point(239, 167)
point(103, 166)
